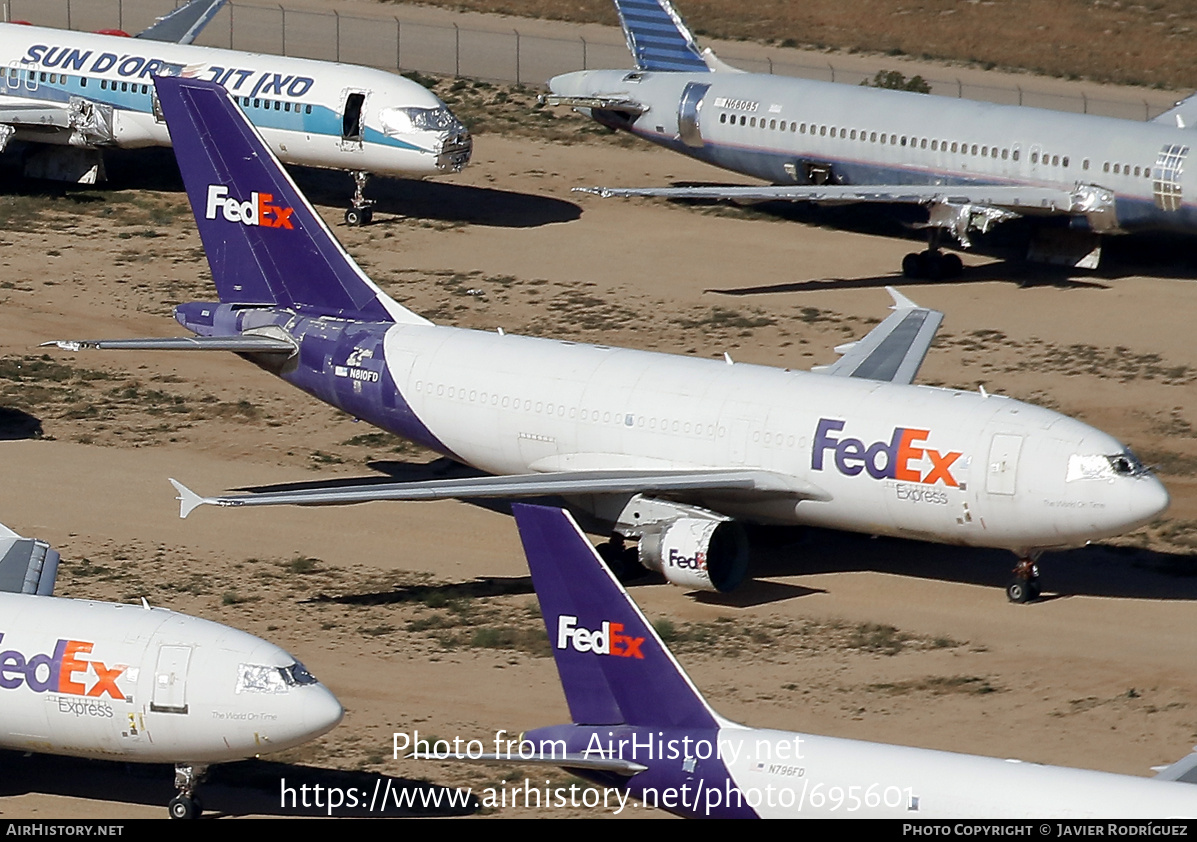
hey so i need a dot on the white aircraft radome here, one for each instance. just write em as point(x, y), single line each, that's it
point(665, 449)
point(973, 165)
point(74, 94)
point(142, 685)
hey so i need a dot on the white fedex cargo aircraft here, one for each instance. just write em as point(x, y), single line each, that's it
point(77, 93)
point(669, 450)
point(640, 725)
point(140, 684)
point(971, 164)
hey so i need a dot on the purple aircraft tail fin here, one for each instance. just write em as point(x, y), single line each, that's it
point(265, 243)
point(613, 666)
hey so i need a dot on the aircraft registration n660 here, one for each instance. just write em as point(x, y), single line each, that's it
point(79, 93)
point(972, 164)
point(140, 684)
point(665, 449)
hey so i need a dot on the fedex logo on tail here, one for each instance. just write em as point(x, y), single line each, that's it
point(257, 211)
point(901, 458)
point(607, 640)
point(63, 671)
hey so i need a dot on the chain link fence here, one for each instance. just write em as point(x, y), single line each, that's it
point(395, 43)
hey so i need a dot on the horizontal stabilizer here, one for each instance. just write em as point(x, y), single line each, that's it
point(183, 24)
point(242, 344)
point(616, 765)
point(521, 485)
point(894, 350)
point(26, 564)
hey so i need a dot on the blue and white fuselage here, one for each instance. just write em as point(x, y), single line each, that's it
point(96, 91)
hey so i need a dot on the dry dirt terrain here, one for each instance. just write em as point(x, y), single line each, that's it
point(421, 616)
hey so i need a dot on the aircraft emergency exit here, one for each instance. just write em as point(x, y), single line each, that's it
point(140, 684)
point(669, 450)
point(74, 94)
point(973, 165)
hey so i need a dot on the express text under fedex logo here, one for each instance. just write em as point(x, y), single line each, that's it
point(901, 458)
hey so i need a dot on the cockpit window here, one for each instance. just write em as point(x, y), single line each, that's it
point(259, 678)
point(1102, 466)
point(398, 121)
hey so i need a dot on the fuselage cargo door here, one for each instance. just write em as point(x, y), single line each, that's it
point(689, 113)
point(353, 121)
point(170, 680)
point(1001, 474)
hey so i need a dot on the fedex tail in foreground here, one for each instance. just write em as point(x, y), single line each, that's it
point(641, 725)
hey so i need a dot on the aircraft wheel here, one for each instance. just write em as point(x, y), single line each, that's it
point(355, 217)
point(1021, 591)
point(953, 266)
point(621, 561)
point(182, 807)
point(912, 266)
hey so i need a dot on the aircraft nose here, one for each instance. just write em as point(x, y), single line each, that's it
point(1150, 499)
point(321, 710)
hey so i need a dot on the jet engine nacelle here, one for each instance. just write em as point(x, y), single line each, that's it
point(711, 555)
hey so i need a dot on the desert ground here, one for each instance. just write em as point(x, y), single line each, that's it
point(420, 616)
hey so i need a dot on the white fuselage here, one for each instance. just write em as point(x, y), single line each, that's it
point(775, 127)
point(797, 775)
point(312, 113)
point(917, 461)
point(105, 680)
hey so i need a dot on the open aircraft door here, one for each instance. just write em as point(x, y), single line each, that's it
point(689, 112)
point(353, 120)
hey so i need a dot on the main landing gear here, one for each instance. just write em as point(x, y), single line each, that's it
point(932, 264)
point(360, 213)
point(1024, 587)
point(187, 805)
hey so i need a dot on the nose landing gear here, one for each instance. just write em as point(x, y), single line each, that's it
point(1024, 587)
point(360, 213)
point(187, 805)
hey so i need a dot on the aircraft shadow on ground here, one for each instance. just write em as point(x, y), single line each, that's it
point(17, 424)
point(441, 201)
point(249, 787)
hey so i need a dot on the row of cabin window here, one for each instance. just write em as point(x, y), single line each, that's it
point(935, 145)
point(125, 87)
point(776, 439)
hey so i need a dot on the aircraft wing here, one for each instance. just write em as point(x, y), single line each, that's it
point(183, 24)
point(242, 344)
point(26, 565)
point(36, 115)
point(520, 485)
point(1183, 115)
point(892, 351)
point(1015, 199)
point(1183, 771)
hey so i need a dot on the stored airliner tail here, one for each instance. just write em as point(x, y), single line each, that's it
point(658, 37)
point(266, 245)
point(587, 612)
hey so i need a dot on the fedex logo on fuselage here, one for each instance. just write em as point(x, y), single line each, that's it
point(898, 459)
point(608, 640)
point(257, 211)
point(63, 671)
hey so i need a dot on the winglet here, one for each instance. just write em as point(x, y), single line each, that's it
point(901, 302)
point(614, 668)
point(188, 499)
